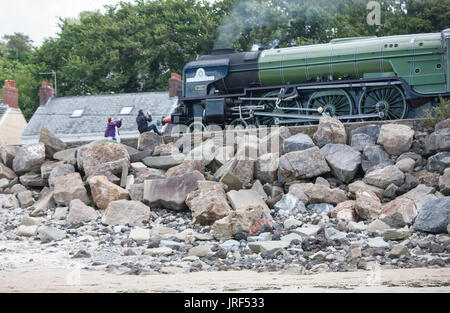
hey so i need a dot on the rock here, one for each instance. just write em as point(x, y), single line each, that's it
point(136, 192)
point(245, 198)
point(406, 165)
point(377, 226)
point(103, 157)
point(323, 194)
point(396, 234)
point(6, 172)
point(321, 208)
point(368, 205)
point(165, 149)
point(124, 212)
point(164, 162)
point(52, 143)
point(396, 138)
point(364, 136)
point(48, 166)
point(333, 234)
point(418, 195)
point(171, 193)
point(308, 163)
point(25, 199)
point(434, 216)
point(439, 162)
point(382, 178)
point(307, 230)
point(247, 148)
point(360, 185)
point(27, 231)
point(47, 233)
point(243, 220)
point(345, 211)
point(205, 152)
point(444, 183)
point(9, 202)
point(259, 188)
point(68, 156)
point(8, 153)
point(45, 201)
point(150, 173)
point(148, 141)
point(137, 166)
point(80, 212)
point(291, 223)
point(330, 130)
point(273, 142)
point(322, 181)
point(103, 191)
point(390, 192)
point(223, 155)
point(236, 173)
point(29, 158)
point(263, 246)
point(161, 251)
point(438, 141)
point(59, 170)
point(297, 143)
point(68, 188)
point(140, 234)
point(343, 160)
point(354, 253)
point(18, 188)
point(374, 157)
point(33, 179)
point(377, 242)
point(186, 167)
point(399, 212)
point(60, 213)
point(199, 251)
point(208, 203)
point(289, 206)
point(398, 250)
point(266, 168)
point(442, 124)
point(353, 226)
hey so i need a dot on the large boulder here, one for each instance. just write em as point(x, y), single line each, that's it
point(345, 211)
point(29, 158)
point(48, 166)
point(444, 183)
point(396, 138)
point(297, 143)
point(103, 191)
point(368, 205)
point(171, 193)
point(273, 142)
point(317, 193)
point(419, 194)
point(429, 179)
point(434, 216)
point(223, 155)
point(330, 130)
point(374, 157)
point(59, 170)
point(124, 212)
point(382, 178)
point(439, 162)
point(149, 141)
point(205, 152)
point(80, 212)
point(68, 188)
point(6, 172)
point(442, 124)
point(245, 198)
point(150, 173)
point(208, 203)
point(399, 212)
point(360, 185)
point(236, 173)
point(266, 167)
point(25, 199)
point(188, 165)
point(9, 202)
point(438, 141)
point(364, 136)
point(69, 156)
point(8, 153)
point(52, 143)
point(33, 179)
point(164, 162)
point(308, 163)
point(289, 206)
point(343, 160)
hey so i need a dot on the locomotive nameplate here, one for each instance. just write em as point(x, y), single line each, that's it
point(200, 76)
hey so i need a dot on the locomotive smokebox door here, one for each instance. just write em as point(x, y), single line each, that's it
point(215, 111)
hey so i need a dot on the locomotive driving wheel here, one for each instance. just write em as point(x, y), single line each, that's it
point(334, 102)
point(389, 99)
point(292, 106)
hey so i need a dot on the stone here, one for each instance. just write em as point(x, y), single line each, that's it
point(208, 203)
point(45, 202)
point(418, 195)
point(29, 158)
point(4, 183)
point(48, 166)
point(68, 188)
point(377, 226)
point(205, 152)
point(33, 179)
point(297, 143)
point(165, 149)
point(439, 162)
point(354, 253)
point(396, 138)
point(353, 226)
point(291, 237)
point(322, 194)
point(263, 246)
point(345, 211)
point(25, 199)
point(150, 173)
point(322, 181)
point(406, 165)
point(171, 193)
point(442, 124)
point(140, 234)
point(164, 162)
point(343, 160)
point(291, 223)
point(6, 172)
point(399, 212)
point(148, 141)
point(68, 156)
point(103, 191)
point(187, 166)
point(330, 130)
point(60, 213)
point(223, 155)
point(321, 208)
point(395, 234)
point(398, 250)
point(360, 185)
point(307, 230)
point(368, 205)
point(199, 251)
point(266, 168)
point(243, 220)
point(124, 212)
point(8, 153)
point(274, 141)
point(444, 183)
point(374, 157)
point(434, 216)
point(52, 143)
point(377, 242)
point(245, 198)
point(80, 212)
point(289, 206)
point(136, 192)
point(236, 173)
point(137, 166)
point(333, 234)
point(390, 192)
point(383, 177)
point(429, 179)
point(308, 163)
point(438, 141)
point(259, 188)
point(161, 251)
point(27, 231)
point(47, 233)
point(364, 136)
point(59, 170)
point(247, 148)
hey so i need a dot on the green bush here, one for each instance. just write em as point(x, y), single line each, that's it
point(439, 113)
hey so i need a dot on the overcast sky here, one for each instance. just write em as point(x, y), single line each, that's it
point(38, 18)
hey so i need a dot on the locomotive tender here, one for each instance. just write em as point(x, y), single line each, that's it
point(352, 79)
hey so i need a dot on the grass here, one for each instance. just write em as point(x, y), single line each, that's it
point(437, 114)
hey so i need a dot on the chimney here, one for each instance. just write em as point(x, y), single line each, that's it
point(46, 92)
point(174, 85)
point(11, 94)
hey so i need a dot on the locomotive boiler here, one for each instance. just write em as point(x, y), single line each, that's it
point(352, 79)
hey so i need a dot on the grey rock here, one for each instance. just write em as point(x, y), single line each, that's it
point(124, 212)
point(47, 233)
point(266, 167)
point(363, 136)
point(27, 230)
point(377, 242)
point(297, 143)
point(444, 183)
point(321, 208)
point(289, 206)
point(383, 177)
point(439, 162)
point(343, 160)
point(9, 202)
point(374, 157)
point(52, 143)
point(80, 212)
point(59, 170)
point(25, 199)
point(148, 141)
point(396, 138)
point(29, 158)
point(33, 179)
point(434, 216)
point(330, 130)
point(164, 162)
point(438, 141)
point(263, 246)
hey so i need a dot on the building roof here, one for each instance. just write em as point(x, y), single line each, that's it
point(86, 115)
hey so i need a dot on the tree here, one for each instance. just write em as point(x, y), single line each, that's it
point(18, 45)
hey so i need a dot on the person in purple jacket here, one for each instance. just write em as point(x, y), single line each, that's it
point(112, 129)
